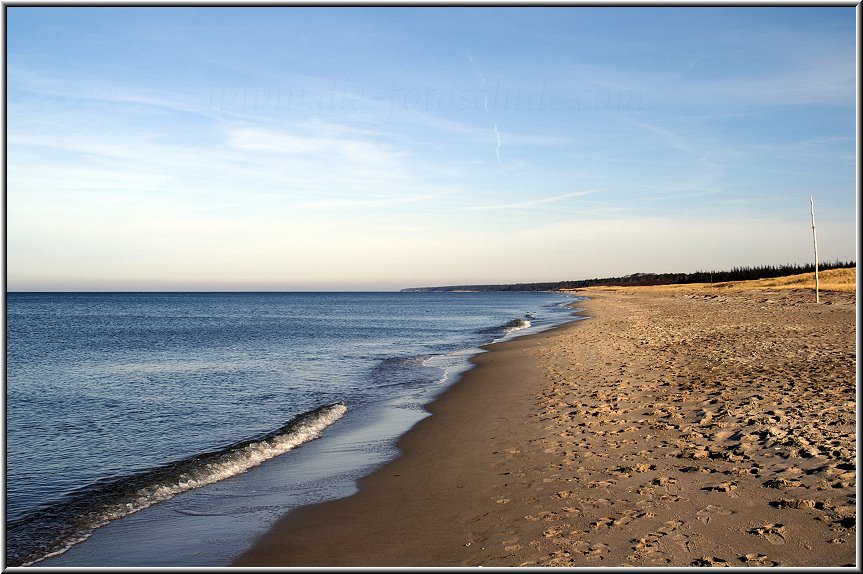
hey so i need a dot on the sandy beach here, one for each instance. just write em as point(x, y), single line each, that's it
point(670, 428)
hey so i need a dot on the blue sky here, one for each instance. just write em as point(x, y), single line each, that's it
point(295, 148)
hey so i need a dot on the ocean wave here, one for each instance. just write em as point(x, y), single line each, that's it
point(516, 325)
point(406, 372)
point(401, 362)
point(510, 327)
point(54, 528)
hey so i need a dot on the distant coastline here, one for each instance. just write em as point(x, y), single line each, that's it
point(646, 279)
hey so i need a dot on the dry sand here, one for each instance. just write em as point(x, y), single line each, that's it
point(669, 429)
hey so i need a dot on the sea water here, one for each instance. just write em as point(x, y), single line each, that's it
point(164, 429)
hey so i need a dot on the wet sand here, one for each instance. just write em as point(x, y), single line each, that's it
point(668, 429)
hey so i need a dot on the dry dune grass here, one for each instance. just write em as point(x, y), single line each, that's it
point(842, 280)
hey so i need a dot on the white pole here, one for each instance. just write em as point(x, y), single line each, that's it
point(815, 243)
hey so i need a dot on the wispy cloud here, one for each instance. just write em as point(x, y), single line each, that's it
point(675, 196)
point(534, 202)
point(283, 142)
point(78, 88)
point(824, 82)
point(368, 202)
point(670, 137)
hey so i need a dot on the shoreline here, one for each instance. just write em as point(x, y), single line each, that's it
point(398, 373)
point(626, 439)
point(445, 468)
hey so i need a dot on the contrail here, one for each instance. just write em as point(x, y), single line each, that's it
point(485, 105)
point(497, 149)
point(481, 77)
point(533, 202)
point(478, 69)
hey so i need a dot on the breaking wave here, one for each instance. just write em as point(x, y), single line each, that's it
point(54, 528)
point(511, 327)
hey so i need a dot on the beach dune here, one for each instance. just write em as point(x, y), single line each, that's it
point(670, 428)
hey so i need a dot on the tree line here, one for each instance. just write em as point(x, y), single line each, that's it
point(639, 279)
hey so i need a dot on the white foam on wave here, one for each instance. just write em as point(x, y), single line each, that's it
point(518, 326)
point(228, 464)
point(237, 461)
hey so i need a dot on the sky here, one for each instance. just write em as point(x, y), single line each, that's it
point(376, 148)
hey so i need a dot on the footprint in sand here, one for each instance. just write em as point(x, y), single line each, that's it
point(601, 483)
point(706, 514)
point(773, 533)
point(558, 558)
point(604, 522)
point(546, 515)
point(663, 481)
point(758, 560)
point(590, 550)
point(701, 469)
point(473, 518)
point(782, 483)
point(793, 503)
point(650, 544)
point(626, 518)
point(722, 487)
point(847, 522)
point(710, 561)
